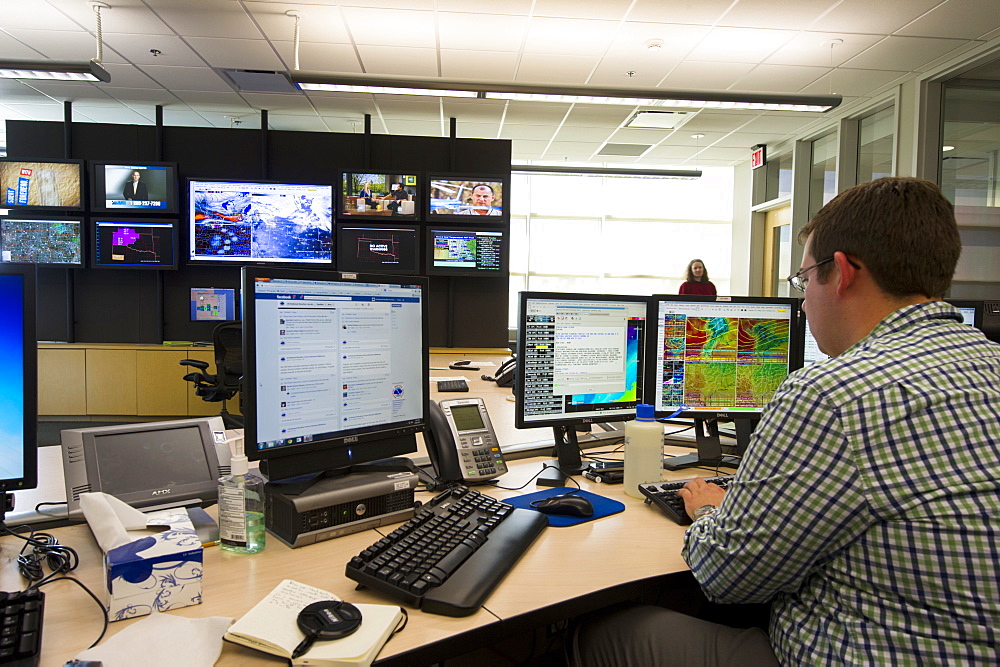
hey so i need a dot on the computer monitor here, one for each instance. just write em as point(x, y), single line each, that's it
point(336, 368)
point(468, 198)
point(454, 251)
point(18, 389)
point(134, 243)
point(149, 465)
point(41, 184)
point(375, 248)
point(720, 358)
point(134, 186)
point(51, 241)
point(581, 360)
point(380, 195)
point(972, 311)
point(209, 304)
point(253, 221)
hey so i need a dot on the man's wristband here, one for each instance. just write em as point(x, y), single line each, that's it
point(704, 510)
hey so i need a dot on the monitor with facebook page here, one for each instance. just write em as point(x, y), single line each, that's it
point(336, 369)
point(50, 241)
point(18, 389)
point(210, 304)
point(581, 360)
point(720, 359)
point(255, 221)
point(134, 186)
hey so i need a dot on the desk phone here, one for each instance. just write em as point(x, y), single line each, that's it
point(461, 442)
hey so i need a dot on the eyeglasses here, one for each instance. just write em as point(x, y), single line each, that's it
point(799, 279)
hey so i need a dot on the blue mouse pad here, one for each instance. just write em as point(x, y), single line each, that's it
point(602, 506)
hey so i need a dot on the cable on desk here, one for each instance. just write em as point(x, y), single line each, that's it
point(79, 583)
point(532, 478)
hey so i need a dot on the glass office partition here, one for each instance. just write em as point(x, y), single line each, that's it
point(875, 145)
point(822, 172)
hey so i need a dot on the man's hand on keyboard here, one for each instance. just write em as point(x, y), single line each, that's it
point(698, 493)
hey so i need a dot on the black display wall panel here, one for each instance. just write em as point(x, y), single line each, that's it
point(126, 306)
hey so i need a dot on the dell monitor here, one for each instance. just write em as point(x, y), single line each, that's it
point(47, 241)
point(134, 186)
point(581, 360)
point(134, 244)
point(18, 389)
point(41, 184)
point(255, 222)
point(336, 369)
point(209, 304)
point(720, 358)
point(374, 248)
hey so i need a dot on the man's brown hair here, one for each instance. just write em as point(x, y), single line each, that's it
point(902, 229)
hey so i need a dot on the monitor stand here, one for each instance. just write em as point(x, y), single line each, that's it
point(568, 460)
point(709, 452)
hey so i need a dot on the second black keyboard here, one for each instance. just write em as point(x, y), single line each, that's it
point(450, 556)
point(664, 496)
point(21, 627)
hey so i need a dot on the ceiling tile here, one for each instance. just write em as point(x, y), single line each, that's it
point(516, 7)
point(236, 53)
point(420, 128)
point(399, 60)
point(478, 65)
point(33, 14)
point(108, 114)
point(573, 37)
point(605, 9)
point(398, 27)
point(596, 115)
point(779, 78)
point(740, 45)
point(317, 23)
point(296, 123)
point(855, 82)
point(569, 132)
point(218, 101)
point(480, 32)
point(533, 113)
point(490, 111)
point(891, 15)
point(705, 12)
point(903, 53)
point(535, 132)
point(560, 70)
point(745, 140)
point(337, 58)
point(197, 18)
point(630, 135)
point(786, 15)
point(290, 104)
point(64, 45)
point(773, 122)
point(185, 118)
point(813, 48)
point(647, 72)
point(46, 111)
point(705, 76)
point(186, 78)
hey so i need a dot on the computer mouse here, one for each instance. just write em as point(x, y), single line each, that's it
point(567, 504)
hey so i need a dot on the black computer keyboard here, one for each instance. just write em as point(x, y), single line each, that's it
point(664, 496)
point(21, 627)
point(450, 556)
point(453, 385)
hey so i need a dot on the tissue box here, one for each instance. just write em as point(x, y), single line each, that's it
point(158, 570)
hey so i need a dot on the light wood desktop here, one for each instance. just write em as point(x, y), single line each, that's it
point(568, 570)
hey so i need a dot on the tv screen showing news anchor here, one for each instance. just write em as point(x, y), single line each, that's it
point(467, 197)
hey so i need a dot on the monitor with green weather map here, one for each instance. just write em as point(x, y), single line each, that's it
point(720, 359)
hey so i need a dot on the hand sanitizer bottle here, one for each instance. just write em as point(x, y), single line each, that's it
point(643, 450)
point(241, 508)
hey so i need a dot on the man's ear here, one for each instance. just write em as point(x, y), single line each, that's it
point(848, 272)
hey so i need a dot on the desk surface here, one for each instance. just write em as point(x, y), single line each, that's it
point(557, 577)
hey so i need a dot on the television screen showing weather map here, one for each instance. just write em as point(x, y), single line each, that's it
point(41, 241)
point(134, 244)
point(249, 222)
point(720, 356)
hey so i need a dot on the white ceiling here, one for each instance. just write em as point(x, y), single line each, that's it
point(740, 45)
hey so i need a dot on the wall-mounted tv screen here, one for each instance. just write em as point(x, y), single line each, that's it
point(134, 244)
point(248, 222)
point(466, 252)
point(379, 195)
point(41, 184)
point(136, 186)
point(209, 304)
point(378, 248)
point(468, 196)
point(57, 241)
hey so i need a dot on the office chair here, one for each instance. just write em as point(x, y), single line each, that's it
point(228, 340)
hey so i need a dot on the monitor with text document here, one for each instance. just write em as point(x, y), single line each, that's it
point(720, 359)
point(336, 369)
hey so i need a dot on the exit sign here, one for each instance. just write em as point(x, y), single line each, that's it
point(758, 156)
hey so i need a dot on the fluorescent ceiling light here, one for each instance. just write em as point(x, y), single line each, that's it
point(664, 120)
point(53, 70)
point(650, 97)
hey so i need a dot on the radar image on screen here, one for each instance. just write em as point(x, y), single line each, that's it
point(264, 222)
point(722, 362)
point(40, 241)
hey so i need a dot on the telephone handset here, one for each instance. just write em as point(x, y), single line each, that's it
point(505, 373)
point(461, 443)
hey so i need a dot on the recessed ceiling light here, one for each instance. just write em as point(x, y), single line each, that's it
point(666, 120)
point(947, 148)
point(698, 136)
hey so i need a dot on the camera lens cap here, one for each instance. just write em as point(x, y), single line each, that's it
point(326, 620)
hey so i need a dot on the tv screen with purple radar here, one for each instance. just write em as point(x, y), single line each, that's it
point(378, 248)
point(136, 186)
point(379, 195)
point(249, 222)
point(472, 197)
point(466, 252)
point(55, 241)
point(41, 184)
point(134, 244)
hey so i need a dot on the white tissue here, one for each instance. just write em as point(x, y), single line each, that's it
point(162, 640)
point(110, 519)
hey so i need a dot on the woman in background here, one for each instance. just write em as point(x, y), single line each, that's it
point(697, 281)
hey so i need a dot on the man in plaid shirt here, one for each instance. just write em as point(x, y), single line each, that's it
point(867, 508)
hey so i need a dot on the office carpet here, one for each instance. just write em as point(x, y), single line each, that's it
point(48, 432)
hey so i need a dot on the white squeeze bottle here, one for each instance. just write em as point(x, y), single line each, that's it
point(643, 450)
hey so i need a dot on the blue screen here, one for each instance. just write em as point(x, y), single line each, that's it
point(12, 379)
